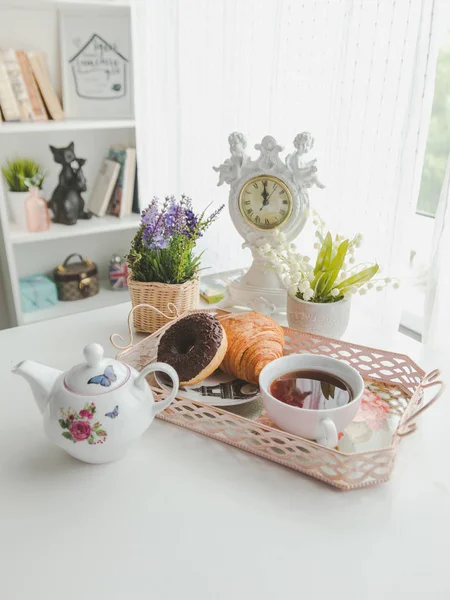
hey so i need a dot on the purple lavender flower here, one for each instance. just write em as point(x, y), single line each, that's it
point(153, 222)
point(174, 219)
point(191, 223)
point(150, 213)
point(158, 242)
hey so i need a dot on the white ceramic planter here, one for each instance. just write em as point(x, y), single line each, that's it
point(17, 212)
point(329, 320)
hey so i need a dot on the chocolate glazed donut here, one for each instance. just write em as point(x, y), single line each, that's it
point(194, 346)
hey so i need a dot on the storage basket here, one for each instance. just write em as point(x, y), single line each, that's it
point(183, 296)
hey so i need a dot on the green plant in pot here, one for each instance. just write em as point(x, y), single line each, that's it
point(20, 174)
point(320, 289)
point(163, 265)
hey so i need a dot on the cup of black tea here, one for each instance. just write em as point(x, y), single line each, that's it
point(312, 396)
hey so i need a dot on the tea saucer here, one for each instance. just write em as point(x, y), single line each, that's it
point(219, 389)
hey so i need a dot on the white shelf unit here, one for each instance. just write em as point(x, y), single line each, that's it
point(23, 253)
point(57, 231)
point(66, 125)
point(106, 297)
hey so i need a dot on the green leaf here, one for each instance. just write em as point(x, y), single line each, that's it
point(91, 439)
point(359, 278)
point(67, 435)
point(321, 283)
point(64, 424)
point(101, 433)
point(324, 255)
point(335, 267)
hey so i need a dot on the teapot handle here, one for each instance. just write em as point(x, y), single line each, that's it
point(168, 370)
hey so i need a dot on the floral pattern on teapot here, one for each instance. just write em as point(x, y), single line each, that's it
point(78, 426)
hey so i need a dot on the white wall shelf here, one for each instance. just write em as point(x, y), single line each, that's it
point(65, 125)
point(105, 297)
point(45, 4)
point(23, 253)
point(57, 231)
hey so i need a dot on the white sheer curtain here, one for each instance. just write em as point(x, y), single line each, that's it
point(358, 74)
point(437, 307)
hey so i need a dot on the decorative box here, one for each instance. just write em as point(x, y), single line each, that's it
point(76, 280)
point(37, 291)
point(118, 273)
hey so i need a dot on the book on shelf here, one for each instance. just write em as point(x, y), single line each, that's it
point(41, 75)
point(122, 199)
point(136, 207)
point(37, 106)
point(8, 102)
point(18, 84)
point(104, 187)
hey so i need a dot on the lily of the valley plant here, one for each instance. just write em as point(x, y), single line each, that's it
point(163, 248)
point(333, 276)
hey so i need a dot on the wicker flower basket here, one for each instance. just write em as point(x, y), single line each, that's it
point(184, 296)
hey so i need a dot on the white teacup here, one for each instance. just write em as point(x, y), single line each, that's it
point(322, 425)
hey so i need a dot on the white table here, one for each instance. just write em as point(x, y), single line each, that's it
point(183, 516)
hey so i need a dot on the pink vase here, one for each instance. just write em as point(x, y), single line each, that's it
point(38, 218)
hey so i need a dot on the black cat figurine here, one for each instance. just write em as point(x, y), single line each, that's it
point(66, 202)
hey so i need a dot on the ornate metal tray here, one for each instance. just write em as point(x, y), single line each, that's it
point(395, 395)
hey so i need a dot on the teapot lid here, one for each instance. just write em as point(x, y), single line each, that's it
point(98, 375)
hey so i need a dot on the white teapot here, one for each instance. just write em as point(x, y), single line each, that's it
point(98, 408)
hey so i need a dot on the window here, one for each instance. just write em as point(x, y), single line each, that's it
point(435, 163)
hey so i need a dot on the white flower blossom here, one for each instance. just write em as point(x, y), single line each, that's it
point(308, 295)
point(280, 270)
point(266, 248)
point(362, 291)
point(304, 286)
point(396, 285)
point(379, 288)
point(335, 292)
point(287, 281)
point(316, 245)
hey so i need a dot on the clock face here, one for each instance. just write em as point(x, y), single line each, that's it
point(265, 202)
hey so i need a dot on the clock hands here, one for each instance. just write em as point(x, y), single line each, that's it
point(264, 195)
point(271, 193)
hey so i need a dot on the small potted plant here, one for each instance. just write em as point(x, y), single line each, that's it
point(18, 173)
point(320, 291)
point(162, 262)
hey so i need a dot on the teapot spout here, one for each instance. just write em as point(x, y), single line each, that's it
point(40, 378)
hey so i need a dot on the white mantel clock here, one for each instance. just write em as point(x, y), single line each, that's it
point(266, 194)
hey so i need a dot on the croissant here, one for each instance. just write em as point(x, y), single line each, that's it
point(254, 340)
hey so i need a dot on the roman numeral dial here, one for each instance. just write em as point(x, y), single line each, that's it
point(265, 202)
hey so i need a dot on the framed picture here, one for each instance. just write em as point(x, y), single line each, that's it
point(97, 66)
